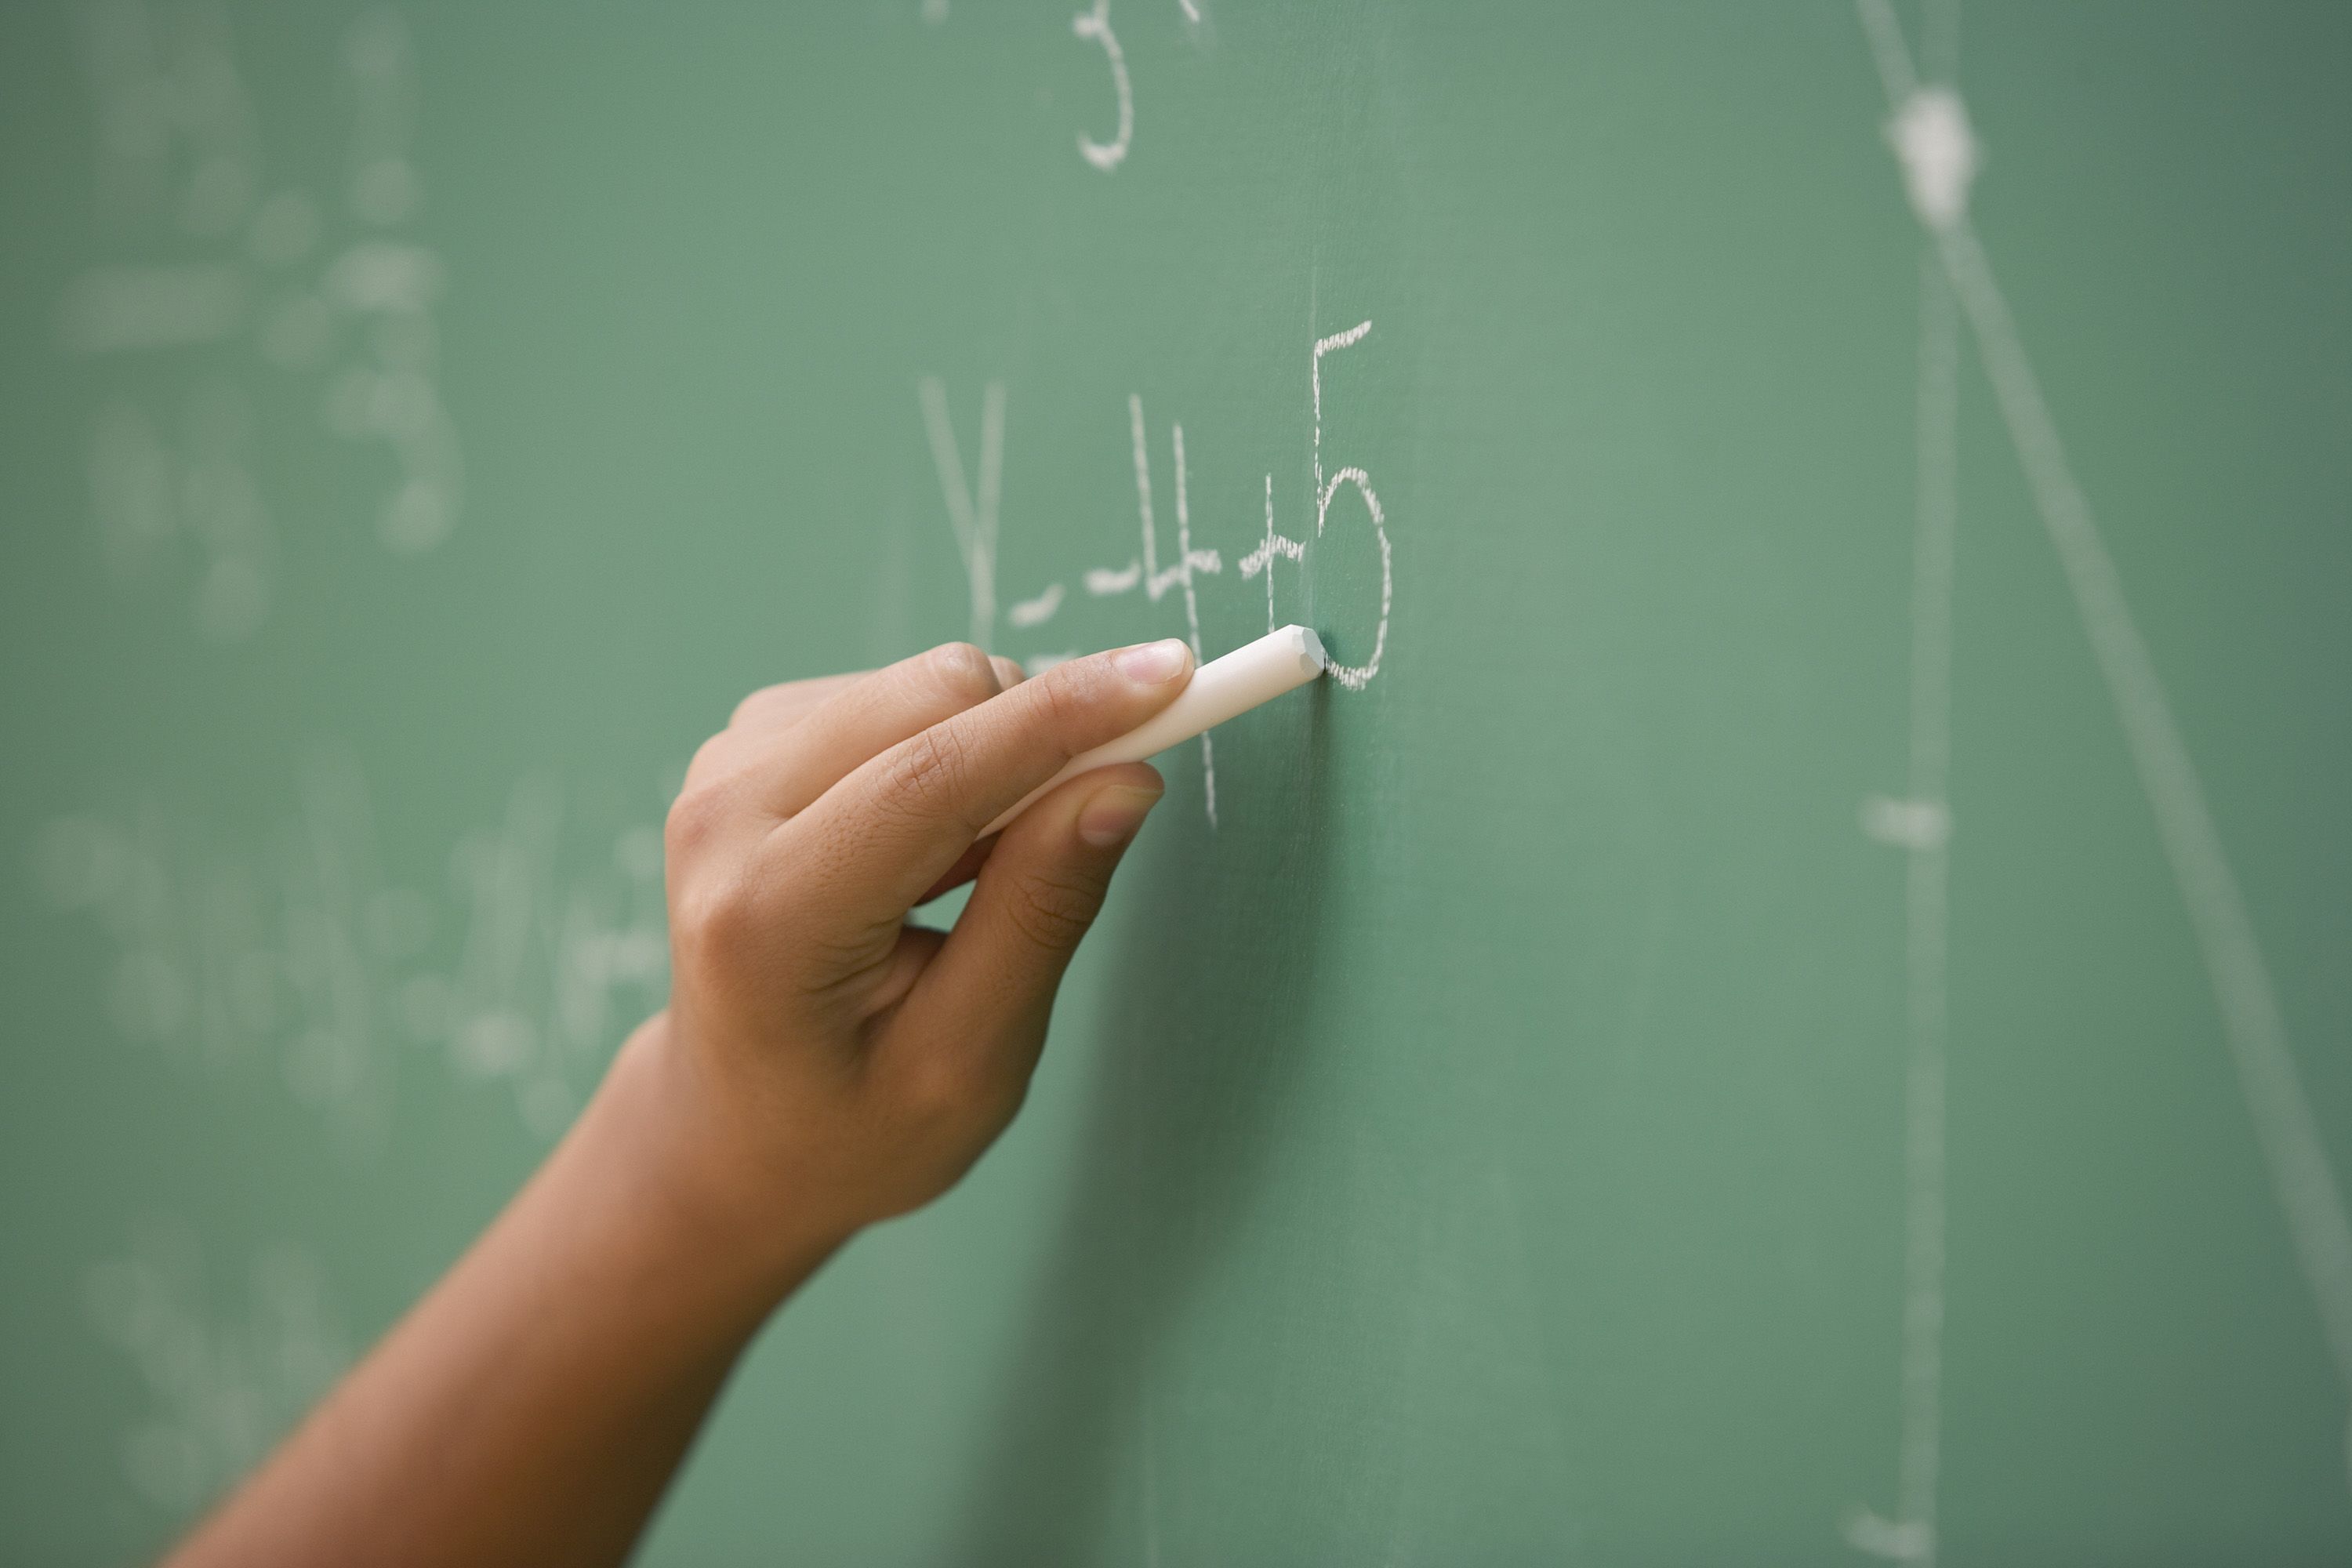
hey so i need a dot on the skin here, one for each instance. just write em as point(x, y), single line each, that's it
point(821, 1065)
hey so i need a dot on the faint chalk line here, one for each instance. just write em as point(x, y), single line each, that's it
point(973, 519)
point(1921, 826)
point(1938, 163)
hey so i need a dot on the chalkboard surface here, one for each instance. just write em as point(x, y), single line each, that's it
point(1793, 1005)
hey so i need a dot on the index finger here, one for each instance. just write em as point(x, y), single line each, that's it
point(781, 706)
point(789, 701)
point(868, 849)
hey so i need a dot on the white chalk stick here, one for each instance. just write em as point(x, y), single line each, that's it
point(1256, 672)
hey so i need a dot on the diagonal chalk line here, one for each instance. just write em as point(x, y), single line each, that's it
point(2251, 1019)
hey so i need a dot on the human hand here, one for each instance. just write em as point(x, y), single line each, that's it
point(824, 1064)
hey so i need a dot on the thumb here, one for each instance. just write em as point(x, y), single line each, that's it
point(990, 990)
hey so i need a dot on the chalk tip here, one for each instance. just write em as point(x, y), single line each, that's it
point(1310, 649)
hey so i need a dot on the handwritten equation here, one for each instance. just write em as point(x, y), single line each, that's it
point(973, 498)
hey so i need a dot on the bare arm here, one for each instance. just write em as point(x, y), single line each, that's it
point(821, 1065)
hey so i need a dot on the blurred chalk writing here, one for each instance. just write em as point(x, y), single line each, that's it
point(221, 1382)
point(524, 970)
point(225, 298)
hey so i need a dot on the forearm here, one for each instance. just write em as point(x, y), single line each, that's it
point(533, 1406)
point(825, 1066)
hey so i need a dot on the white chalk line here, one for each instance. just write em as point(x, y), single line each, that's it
point(1928, 921)
point(1348, 339)
point(974, 524)
point(1185, 559)
point(1272, 548)
point(1888, 51)
point(1036, 612)
point(1152, 585)
point(1354, 677)
point(1156, 583)
point(1145, 571)
point(1096, 25)
point(1922, 824)
point(1104, 582)
point(991, 481)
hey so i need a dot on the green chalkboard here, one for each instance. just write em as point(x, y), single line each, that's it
point(1794, 1008)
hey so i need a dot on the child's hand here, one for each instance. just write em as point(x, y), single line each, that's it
point(824, 1065)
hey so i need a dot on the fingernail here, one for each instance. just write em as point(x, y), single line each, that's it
point(1112, 817)
point(1151, 663)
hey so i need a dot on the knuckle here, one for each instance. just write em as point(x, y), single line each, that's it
point(833, 962)
point(716, 920)
point(752, 704)
point(927, 770)
point(694, 819)
point(940, 1083)
point(962, 673)
point(1053, 912)
point(707, 756)
point(1064, 697)
point(961, 1092)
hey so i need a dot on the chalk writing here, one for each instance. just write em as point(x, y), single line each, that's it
point(178, 160)
point(1354, 677)
point(304, 956)
point(1271, 548)
point(1094, 26)
point(1932, 138)
point(1036, 612)
point(220, 1386)
point(1145, 569)
point(972, 516)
